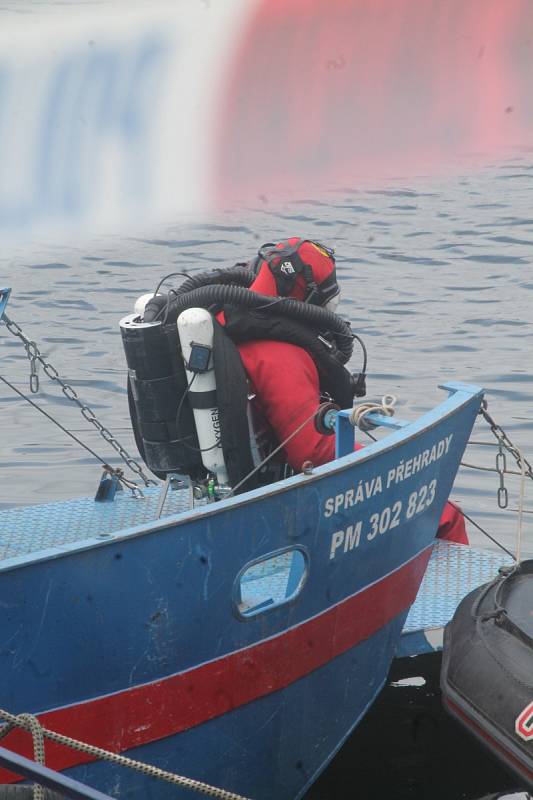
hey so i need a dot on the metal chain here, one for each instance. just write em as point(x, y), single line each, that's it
point(34, 356)
point(489, 469)
point(501, 466)
point(504, 443)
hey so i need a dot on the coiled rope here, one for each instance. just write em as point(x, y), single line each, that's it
point(32, 725)
point(359, 414)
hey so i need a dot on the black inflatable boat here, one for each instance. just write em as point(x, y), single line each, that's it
point(487, 667)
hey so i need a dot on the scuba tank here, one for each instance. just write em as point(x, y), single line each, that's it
point(195, 329)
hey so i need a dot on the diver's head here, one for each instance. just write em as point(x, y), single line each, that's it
point(297, 268)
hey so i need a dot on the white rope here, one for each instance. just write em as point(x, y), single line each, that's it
point(520, 505)
point(359, 413)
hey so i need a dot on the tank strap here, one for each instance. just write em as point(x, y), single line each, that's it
point(232, 402)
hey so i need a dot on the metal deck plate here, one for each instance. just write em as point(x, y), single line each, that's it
point(30, 529)
point(453, 571)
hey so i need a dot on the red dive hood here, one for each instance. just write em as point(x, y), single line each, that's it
point(297, 268)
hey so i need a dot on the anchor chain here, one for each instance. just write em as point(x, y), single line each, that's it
point(505, 444)
point(501, 466)
point(34, 355)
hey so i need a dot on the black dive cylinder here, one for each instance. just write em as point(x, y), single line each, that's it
point(157, 389)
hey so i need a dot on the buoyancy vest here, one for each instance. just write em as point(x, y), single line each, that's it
point(232, 401)
point(244, 325)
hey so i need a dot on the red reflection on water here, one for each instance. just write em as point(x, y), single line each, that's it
point(327, 93)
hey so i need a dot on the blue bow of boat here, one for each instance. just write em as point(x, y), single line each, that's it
point(240, 641)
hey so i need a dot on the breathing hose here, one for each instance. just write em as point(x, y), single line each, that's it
point(204, 296)
point(237, 276)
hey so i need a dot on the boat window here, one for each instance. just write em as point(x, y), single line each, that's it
point(274, 580)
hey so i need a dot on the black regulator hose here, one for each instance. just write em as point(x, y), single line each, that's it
point(204, 296)
point(159, 308)
point(237, 276)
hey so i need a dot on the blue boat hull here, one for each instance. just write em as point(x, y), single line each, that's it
point(291, 724)
point(140, 642)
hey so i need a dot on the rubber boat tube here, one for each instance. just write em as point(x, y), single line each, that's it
point(487, 668)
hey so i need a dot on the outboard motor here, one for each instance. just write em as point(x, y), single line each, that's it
point(157, 384)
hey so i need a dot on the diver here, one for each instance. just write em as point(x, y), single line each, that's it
point(276, 351)
point(284, 379)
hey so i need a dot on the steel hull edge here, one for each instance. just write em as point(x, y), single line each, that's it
point(135, 643)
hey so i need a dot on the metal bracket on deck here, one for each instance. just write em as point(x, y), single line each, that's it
point(173, 481)
point(48, 777)
point(108, 487)
point(381, 420)
point(4, 298)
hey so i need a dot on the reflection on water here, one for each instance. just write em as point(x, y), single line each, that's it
point(408, 748)
point(435, 276)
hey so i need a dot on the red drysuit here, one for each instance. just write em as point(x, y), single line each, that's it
point(285, 381)
point(288, 400)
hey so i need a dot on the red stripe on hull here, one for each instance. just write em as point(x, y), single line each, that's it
point(143, 714)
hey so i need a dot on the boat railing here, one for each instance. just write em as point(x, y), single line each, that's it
point(67, 787)
point(344, 425)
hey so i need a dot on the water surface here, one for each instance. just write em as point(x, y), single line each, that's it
point(435, 274)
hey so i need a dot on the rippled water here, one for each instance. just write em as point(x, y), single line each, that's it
point(436, 276)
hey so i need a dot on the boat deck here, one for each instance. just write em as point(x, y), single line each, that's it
point(52, 526)
point(453, 571)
